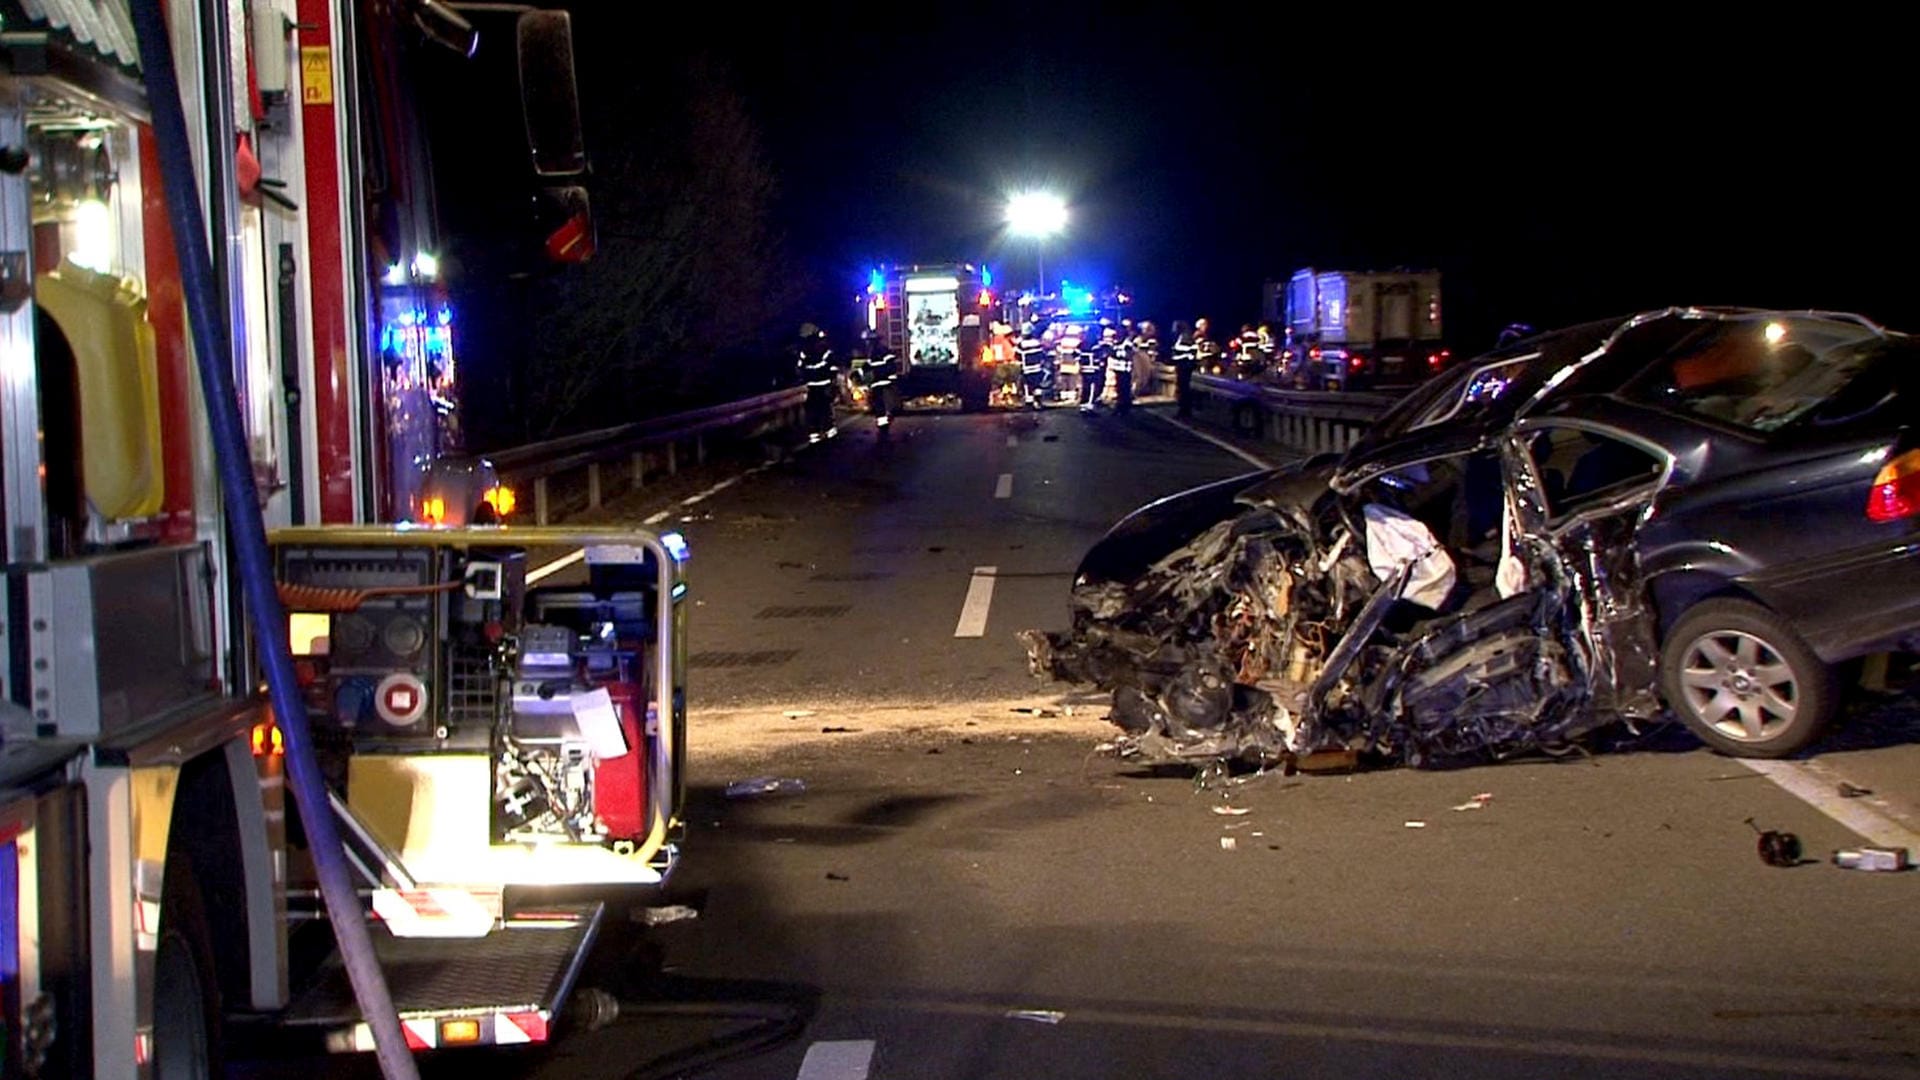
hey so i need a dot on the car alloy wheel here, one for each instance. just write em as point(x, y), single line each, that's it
point(1740, 686)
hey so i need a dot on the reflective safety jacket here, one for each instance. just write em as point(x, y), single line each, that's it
point(1098, 354)
point(1033, 355)
point(1123, 354)
point(1184, 352)
point(816, 368)
point(882, 370)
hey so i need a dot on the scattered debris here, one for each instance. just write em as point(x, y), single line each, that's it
point(761, 787)
point(797, 714)
point(837, 730)
point(1029, 711)
point(832, 876)
point(661, 916)
point(1228, 843)
point(1776, 848)
point(1849, 791)
point(1230, 811)
point(935, 550)
point(1478, 802)
point(1049, 438)
point(1880, 859)
point(785, 564)
point(1037, 1016)
point(1416, 824)
point(933, 749)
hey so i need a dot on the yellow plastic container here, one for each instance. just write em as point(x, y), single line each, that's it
point(105, 320)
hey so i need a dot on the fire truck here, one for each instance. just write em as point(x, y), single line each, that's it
point(940, 320)
point(492, 708)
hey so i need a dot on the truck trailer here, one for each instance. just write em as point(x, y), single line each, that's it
point(1357, 330)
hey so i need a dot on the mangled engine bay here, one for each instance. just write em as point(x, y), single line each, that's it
point(1312, 619)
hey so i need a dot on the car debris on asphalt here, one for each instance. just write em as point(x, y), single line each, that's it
point(1478, 802)
point(1878, 859)
point(1036, 1016)
point(661, 916)
point(765, 787)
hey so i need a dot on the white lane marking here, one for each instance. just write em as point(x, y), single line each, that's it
point(845, 1060)
point(1013, 440)
point(1803, 781)
point(1223, 444)
point(973, 613)
point(1003, 487)
point(655, 519)
point(548, 570)
point(714, 490)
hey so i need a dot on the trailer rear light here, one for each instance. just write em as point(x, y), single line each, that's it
point(1896, 490)
point(1314, 353)
point(266, 740)
point(1356, 362)
point(1438, 360)
point(986, 298)
point(433, 510)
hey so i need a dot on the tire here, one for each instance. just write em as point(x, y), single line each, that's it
point(186, 990)
point(1739, 677)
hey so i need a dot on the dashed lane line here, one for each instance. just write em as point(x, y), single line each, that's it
point(1003, 487)
point(1251, 459)
point(973, 612)
point(848, 1059)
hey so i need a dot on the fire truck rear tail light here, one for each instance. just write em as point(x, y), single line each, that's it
point(456, 1032)
point(1356, 362)
point(1896, 490)
point(433, 510)
point(266, 740)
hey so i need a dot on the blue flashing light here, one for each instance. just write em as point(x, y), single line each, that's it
point(444, 316)
point(876, 282)
point(986, 275)
point(676, 546)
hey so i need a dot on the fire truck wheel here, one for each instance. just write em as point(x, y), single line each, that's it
point(186, 987)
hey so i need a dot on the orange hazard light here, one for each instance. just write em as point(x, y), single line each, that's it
point(454, 1032)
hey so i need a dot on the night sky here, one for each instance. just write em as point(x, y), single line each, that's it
point(1555, 170)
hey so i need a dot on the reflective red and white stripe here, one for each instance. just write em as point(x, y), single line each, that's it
point(437, 912)
point(500, 1028)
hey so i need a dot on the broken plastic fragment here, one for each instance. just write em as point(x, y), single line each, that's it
point(1416, 824)
point(1849, 791)
point(661, 916)
point(1478, 802)
point(1037, 1016)
point(1228, 843)
point(1231, 811)
point(1036, 712)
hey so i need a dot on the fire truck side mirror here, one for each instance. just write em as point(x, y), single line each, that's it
point(444, 26)
point(549, 94)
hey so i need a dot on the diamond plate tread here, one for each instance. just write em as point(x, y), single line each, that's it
point(515, 968)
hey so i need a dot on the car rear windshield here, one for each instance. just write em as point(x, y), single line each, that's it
point(1764, 374)
point(1508, 377)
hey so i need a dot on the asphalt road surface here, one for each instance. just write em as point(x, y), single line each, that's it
point(968, 889)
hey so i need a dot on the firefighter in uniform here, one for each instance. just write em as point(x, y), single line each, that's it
point(1185, 355)
point(1206, 351)
point(816, 371)
point(1134, 346)
point(1094, 362)
point(1032, 351)
point(883, 370)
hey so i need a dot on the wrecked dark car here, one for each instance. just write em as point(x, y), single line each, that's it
point(1697, 509)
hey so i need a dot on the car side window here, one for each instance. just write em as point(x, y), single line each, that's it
point(1580, 469)
point(1757, 374)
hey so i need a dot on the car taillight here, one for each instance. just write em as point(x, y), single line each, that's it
point(1356, 362)
point(1438, 360)
point(1896, 490)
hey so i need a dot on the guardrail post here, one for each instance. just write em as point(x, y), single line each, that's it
point(673, 458)
point(639, 469)
point(593, 485)
point(700, 449)
point(540, 501)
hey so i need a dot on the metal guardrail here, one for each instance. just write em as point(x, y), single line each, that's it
point(1306, 421)
point(540, 463)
